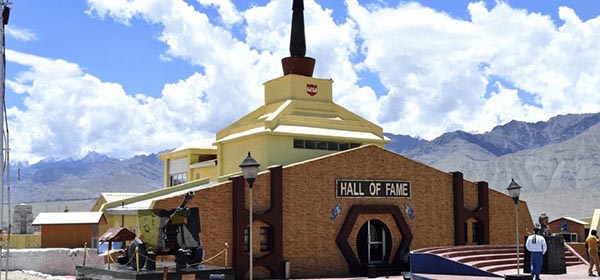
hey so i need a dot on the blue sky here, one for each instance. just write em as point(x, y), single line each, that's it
point(130, 77)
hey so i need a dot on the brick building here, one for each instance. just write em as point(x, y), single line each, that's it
point(305, 216)
point(573, 230)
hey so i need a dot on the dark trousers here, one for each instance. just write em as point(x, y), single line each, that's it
point(536, 264)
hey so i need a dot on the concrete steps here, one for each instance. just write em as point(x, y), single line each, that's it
point(491, 258)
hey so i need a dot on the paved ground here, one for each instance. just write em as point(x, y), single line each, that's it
point(573, 273)
point(32, 275)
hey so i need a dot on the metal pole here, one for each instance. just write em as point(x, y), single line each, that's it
point(8, 199)
point(250, 237)
point(517, 234)
point(2, 90)
point(4, 12)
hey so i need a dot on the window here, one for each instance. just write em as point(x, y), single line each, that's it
point(323, 145)
point(344, 146)
point(266, 239)
point(298, 144)
point(333, 146)
point(246, 238)
point(179, 178)
point(475, 232)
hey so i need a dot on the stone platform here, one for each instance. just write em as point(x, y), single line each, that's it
point(116, 271)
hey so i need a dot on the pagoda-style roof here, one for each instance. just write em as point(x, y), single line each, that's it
point(291, 110)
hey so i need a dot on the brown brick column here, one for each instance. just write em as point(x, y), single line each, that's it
point(240, 221)
point(273, 217)
point(462, 214)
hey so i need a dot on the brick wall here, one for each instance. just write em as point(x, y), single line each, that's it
point(502, 219)
point(215, 217)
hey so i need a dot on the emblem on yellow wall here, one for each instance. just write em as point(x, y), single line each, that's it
point(311, 89)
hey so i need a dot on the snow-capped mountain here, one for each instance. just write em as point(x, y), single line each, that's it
point(84, 178)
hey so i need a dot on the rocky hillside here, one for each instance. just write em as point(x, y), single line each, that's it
point(556, 162)
point(85, 178)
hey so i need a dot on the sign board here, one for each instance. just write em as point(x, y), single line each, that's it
point(371, 188)
point(216, 277)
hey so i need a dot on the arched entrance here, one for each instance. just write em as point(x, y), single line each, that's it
point(392, 265)
point(373, 243)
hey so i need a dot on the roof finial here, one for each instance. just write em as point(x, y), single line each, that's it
point(298, 63)
point(297, 40)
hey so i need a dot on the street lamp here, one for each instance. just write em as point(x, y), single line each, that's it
point(515, 190)
point(249, 168)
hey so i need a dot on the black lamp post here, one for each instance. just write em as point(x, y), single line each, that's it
point(249, 168)
point(514, 190)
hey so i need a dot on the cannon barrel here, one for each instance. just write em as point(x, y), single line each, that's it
point(176, 215)
point(188, 196)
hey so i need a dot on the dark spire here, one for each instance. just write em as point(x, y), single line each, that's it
point(297, 40)
point(297, 63)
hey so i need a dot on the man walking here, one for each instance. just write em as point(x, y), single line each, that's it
point(592, 245)
point(536, 244)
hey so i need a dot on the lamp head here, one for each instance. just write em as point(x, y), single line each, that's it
point(249, 168)
point(514, 190)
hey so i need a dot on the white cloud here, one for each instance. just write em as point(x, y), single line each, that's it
point(436, 67)
point(21, 34)
point(227, 10)
point(69, 112)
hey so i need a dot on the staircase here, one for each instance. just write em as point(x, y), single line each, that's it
point(491, 258)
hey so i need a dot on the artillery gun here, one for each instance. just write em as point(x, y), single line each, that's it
point(166, 232)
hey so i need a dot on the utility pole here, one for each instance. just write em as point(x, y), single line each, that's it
point(4, 5)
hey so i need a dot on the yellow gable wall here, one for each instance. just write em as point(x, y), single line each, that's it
point(231, 154)
point(295, 87)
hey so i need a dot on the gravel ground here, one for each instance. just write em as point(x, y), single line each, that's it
point(32, 275)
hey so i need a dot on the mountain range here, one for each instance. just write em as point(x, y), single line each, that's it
point(85, 178)
point(556, 162)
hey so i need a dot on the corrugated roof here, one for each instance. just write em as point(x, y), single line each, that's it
point(198, 144)
point(110, 196)
point(63, 218)
point(146, 204)
point(572, 220)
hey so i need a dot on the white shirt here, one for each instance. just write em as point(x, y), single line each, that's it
point(536, 243)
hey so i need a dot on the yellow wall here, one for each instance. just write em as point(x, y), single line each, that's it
point(192, 155)
point(23, 241)
point(281, 151)
point(294, 87)
point(101, 200)
point(209, 172)
point(130, 222)
point(231, 154)
point(268, 150)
